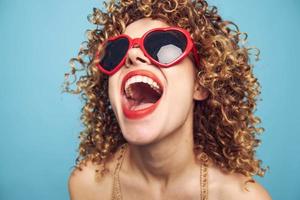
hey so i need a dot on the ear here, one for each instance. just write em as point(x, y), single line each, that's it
point(200, 93)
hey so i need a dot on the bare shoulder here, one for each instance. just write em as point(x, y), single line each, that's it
point(83, 185)
point(234, 186)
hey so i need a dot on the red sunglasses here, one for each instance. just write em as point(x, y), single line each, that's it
point(164, 47)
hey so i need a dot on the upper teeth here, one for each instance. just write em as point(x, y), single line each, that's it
point(143, 79)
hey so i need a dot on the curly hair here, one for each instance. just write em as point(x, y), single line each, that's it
point(225, 127)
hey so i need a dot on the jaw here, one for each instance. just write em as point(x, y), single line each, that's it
point(153, 122)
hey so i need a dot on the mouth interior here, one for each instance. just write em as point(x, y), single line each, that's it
point(142, 95)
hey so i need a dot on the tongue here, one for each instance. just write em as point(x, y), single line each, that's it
point(143, 96)
point(141, 106)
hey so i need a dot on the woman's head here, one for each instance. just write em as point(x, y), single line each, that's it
point(221, 98)
point(146, 114)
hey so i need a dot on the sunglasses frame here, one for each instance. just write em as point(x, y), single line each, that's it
point(139, 42)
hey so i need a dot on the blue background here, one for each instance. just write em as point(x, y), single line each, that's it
point(40, 126)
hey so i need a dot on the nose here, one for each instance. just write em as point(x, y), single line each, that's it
point(135, 56)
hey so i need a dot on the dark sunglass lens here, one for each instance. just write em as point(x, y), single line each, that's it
point(114, 52)
point(165, 46)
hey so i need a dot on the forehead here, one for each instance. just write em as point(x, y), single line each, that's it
point(141, 26)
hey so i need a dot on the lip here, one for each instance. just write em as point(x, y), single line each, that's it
point(137, 114)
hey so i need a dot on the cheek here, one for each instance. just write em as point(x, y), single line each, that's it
point(182, 80)
point(181, 88)
point(182, 91)
point(113, 92)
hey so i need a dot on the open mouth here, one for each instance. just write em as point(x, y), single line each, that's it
point(141, 93)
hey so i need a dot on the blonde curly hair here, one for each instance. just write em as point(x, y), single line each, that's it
point(225, 127)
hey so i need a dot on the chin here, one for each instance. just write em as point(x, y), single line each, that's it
point(139, 141)
point(140, 135)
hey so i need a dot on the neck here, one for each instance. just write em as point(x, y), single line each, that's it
point(166, 159)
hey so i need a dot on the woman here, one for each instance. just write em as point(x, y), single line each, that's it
point(170, 96)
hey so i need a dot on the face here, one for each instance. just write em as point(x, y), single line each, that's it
point(162, 108)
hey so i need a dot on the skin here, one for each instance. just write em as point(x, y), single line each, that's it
point(160, 162)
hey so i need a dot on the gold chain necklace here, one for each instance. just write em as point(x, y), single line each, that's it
point(116, 188)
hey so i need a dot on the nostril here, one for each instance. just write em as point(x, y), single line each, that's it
point(135, 56)
point(130, 62)
point(141, 60)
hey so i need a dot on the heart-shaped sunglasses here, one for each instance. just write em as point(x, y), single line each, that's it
point(164, 47)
